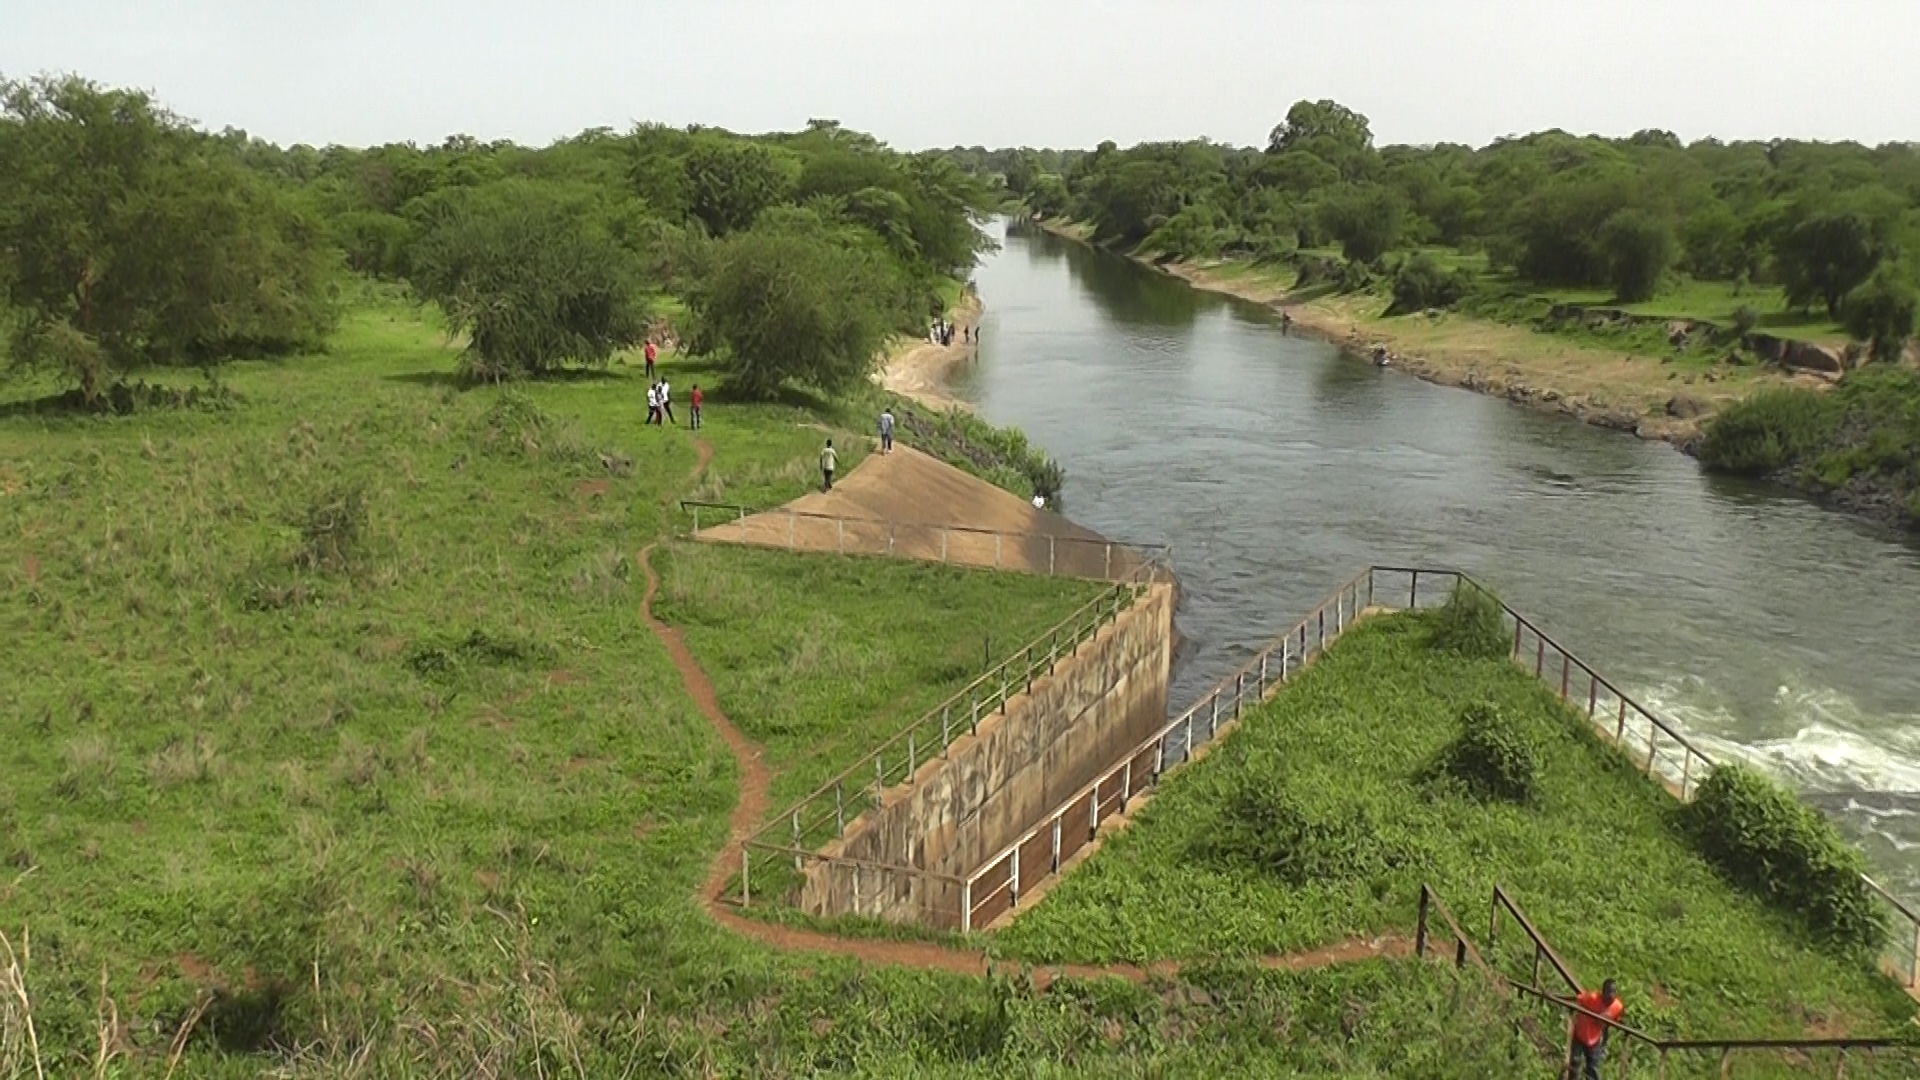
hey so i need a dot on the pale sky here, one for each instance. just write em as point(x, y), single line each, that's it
point(992, 72)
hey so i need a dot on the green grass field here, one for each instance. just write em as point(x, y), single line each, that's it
point(1597, 864)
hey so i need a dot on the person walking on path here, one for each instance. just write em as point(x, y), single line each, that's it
point(666, 401)
point(653, 403)
point(1590, 1034)
point(828, 459)
point(886, 431)
point(652, 353)
point(697, 399)
point(1286, 323)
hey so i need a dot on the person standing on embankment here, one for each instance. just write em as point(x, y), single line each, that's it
point(1590, 1034)
point(828, 459)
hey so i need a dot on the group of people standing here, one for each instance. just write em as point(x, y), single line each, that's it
point(942, 332)
point(660, 393)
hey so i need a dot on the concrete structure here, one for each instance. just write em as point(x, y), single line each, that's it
point(991, 787)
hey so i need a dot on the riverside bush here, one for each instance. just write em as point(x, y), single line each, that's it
point(1767, 431)
point(1766, 840)
point(1494, 755)
point(1422, 283)
point(1471, 623)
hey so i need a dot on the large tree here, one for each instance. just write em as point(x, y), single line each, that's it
point(1638, 246)
point(730, 180)
point(1365, 218)
point(531, 272)
point(795, 301)
point(1827, 254)
point(1881, 312)
point(135, 240)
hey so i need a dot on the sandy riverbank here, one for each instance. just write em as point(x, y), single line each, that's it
point(1639, 394)
point(918, 370)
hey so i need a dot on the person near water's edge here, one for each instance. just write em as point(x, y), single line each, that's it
point(1286, 323)
point(886, 431)
point(698, 399)
point(828, 459)
point(652, 353)
point(1589, 1034)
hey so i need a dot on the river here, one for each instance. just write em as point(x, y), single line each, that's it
point(1760, 625)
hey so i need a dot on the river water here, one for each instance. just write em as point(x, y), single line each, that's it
point(1760, 625)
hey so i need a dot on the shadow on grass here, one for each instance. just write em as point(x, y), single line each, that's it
point(453, 380)
point(122, 399)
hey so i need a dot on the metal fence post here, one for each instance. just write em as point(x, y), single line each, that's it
point(1566, 673)
point(1013, 880)
point(1517, 627)
point(1213, 715)
point(966, 907)
point(696, 517)
point(839, 810)
point(1239, 679)
point(1620, 726)
point(1049, 555)
point(1413, 592)
point(1593, 693)
point(1420, 926)
point(1263, 674)
point(973, 725)
point(746, 889)
point(1653, 735)
point(1056, 843)
point(912, 749)
point(1539, 655)
point(796, 839)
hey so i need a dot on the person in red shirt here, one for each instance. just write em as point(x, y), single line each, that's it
point(652, 352)
point(698, 398)
point(1589, 1034)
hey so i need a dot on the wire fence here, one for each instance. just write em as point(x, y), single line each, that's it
point(789, 529)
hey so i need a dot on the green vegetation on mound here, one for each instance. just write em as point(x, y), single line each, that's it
point(1858, 443)
point(821, 659)
point(1598, 857)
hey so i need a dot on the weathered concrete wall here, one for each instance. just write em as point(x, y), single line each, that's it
point(1048, 743)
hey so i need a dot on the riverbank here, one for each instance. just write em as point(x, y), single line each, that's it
point(1648, 396)
point(919, 370)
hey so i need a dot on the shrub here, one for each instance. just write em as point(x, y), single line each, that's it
point(332, 528)
point(1493, 755)
point(1764, 839)
point(1638, 247)
point(1267, 826)
point(1745, 318)
point(1881, 312)
point(1471, 623)
point(1767, 431)
point(1421, 283)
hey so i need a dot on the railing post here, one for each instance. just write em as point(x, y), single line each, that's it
point(1263, 675)
point(1321, 616)
point(1653, 735)
point(1107, 571)
point(1126, 785)
point(1620, 725)
point(1539, 655)
point(1369, 586)
point(966, 907)
point(1049, 554)
point(1239, 686)
point(1566, 673)
point(973, 726)
point(1420, 926)
point(1056, 843)
point(1413, 592)
point(1093, 811)
point(1013, 888)
point(879, 780)
point(1536, 965)
point(1213, 715)
point(912, 753)
point(746, 889)
point(696, 517)
point(796, 839)
point(946, 727)
point(1686, 773)
point(1593, 693)
point(1517, 627)
point(1286, 655)
point(839, 810)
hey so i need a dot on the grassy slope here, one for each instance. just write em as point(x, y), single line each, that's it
point(1597, 866)
point(819, 685)
point(383, 841)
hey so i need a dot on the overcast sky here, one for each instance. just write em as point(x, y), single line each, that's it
point(1039, 72)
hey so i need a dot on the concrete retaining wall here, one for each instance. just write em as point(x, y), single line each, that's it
point(961, 810)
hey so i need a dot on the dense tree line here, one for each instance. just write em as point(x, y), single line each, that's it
point(1835, 227)
point(130, 238)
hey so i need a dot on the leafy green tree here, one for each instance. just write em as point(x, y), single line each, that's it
point(1365, 218)
point(133, 240)
point(1639, 247)
point(1881, 312)
point(1049, 197)
point(1133, 198)
point(1828, 254)
point(730, 180)
point(533, 275)
point(791, 302)
point(1325, 119)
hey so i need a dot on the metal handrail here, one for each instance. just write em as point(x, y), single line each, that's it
point(1232, 687)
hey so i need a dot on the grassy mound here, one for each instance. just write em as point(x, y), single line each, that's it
point(1600, 858)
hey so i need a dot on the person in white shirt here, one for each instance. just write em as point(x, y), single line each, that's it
point(666, 401)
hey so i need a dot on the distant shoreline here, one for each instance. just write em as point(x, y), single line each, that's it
point(920, 370)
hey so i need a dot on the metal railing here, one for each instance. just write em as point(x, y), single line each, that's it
point(999, 884)
point(1063, 556)
point(1628, 1037)
point(1656, 746)
point(794, 837)
point(1615, 716)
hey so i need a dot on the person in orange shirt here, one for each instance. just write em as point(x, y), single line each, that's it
point(1589, 1034)
point(652, 353)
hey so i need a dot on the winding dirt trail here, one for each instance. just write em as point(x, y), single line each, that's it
point(756, 785)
